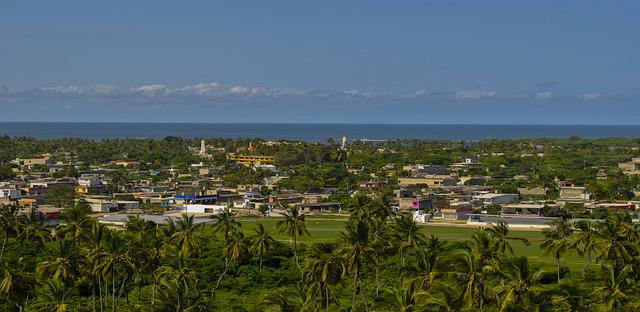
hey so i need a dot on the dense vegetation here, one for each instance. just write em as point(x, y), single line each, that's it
point(381, 262)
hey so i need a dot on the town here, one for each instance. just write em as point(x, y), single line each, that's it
point(522, 182)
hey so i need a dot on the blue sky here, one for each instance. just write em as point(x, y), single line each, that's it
point(504, 62)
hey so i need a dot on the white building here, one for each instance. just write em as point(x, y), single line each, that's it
point(198, 208)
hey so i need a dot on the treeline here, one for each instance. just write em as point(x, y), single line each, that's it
point(381, 262)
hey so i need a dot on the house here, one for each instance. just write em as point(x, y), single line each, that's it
point(495, 199)
point(457, 210)
point(523, 209)
point(101, 205)
point(407, 203)
point(429, 180)
point(128, 204)
point(574, 194)
point(198, 208)
point(631, 168)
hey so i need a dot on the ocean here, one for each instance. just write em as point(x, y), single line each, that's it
point(309, 132)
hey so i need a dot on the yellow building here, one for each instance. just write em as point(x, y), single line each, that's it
point(248, 160)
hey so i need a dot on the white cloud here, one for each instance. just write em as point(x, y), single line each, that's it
point(239, 90)
point(202, 89)
point(591, 96)
point(544, 95)
point(421, 93)
point(473, 95)
point(152, 90)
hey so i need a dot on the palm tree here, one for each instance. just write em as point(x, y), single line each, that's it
point(324, 270)
point(115, 262)
point(355, 249)
point(612, 239)
point(8, 224)
point(557, 241)
point(96, 239)
point(517, 292)
point(32, 229)
point(470, 268)
point(187, 235)
point(16, 285)
point(408, 235)
point(225, 222)
point(234, 248)
point(585, 241)
point(380, 242)
point(51, 297)
point(427, 262)
point(298, 300)
point(177, 282)
point(261, 244)
point(405, 300)
point(614, 286)
point(77, 224)
point(295, 225)
point(499, 233)
point(64, 268)
point(445, 296)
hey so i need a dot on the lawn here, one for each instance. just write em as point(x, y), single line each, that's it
point(328, 228)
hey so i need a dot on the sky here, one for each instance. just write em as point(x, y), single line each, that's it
point(406, 62)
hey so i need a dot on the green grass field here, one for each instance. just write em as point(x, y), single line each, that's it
point(327, 229)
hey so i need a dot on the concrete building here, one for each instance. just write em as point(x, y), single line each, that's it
point(457, 210)
point(101, 205)
point(206, 209)
point(574, 194)
point(419, 203)
point(251, 160)
point(430, 180)
point(632, 167)
point(495, 199)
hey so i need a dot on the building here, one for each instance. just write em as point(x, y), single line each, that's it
point(429, 180)
point(198, 208)
point(101, 205)
point(457, 210)
point(574, 194)
point(495, 199)
point(523, 209)
point(419, 203)
point(251, 160)
point(632, 167)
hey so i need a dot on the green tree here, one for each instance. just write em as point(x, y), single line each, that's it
point(261, 244)
point(557, 241)
point(294, 225)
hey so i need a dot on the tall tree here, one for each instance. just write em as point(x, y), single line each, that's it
point(294, 225)
point(408, 235)
point(261, 244)
point(557, 241)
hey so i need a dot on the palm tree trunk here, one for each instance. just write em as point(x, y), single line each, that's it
point(364, 298)
point(295, 251)
point(100, 293)
point(260, 267)
point(153, 292)
point(121, 290)
point(226, 267)
point(558, 268)
point(326, 295)
point(4, 242)
point(93, 297)
point(355, 289)
point(113, 290)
